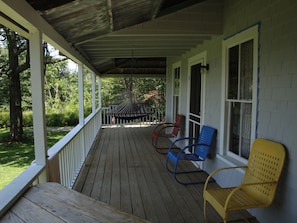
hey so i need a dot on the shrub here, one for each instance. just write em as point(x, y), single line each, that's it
point(27, 119)
point(71, 118)
point(62, 119)
point(52, 119)
point(4, 119)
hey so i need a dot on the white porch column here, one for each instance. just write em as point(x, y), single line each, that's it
point(81, 94)
point(81, 106)
point(93, 93)
point(99, 93)
point(37, 83)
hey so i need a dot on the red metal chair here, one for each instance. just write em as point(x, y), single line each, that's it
point(166, 130)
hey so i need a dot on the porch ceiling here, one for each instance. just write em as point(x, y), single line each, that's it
point(132, 37)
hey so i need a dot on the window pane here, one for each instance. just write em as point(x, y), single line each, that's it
point(176, 80)
point(234, 127)
point(240, 128)
point(246, 130)
point(233, 72)
point(176, 92)
point(246, 70)
point(175, 105)
point(195, 91)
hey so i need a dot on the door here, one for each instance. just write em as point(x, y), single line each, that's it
point(195, 101)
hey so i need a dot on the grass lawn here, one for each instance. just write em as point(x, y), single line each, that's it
point(16, 157)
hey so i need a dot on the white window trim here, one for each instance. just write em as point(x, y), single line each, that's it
point(174, 66)
point(240, 37)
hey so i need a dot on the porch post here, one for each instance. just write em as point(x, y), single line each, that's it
point(37, 84)
point(99, 101)
point(81, 94)
point(99, 93)
point(81, 106)
point(93, 93)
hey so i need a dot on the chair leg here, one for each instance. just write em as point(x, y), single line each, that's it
point(154, 140)
point(162, 150)
point(175, 173)
point(155, 145)
point(166, 165)
point(204, 211)
point(191, 182)
point(246, 219)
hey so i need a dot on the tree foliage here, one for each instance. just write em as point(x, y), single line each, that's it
point(15, 90)
point(60, 87)
point(61, 84)
point(150, 91)
point(17, 62)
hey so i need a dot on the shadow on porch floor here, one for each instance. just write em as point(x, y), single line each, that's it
point(124, 171)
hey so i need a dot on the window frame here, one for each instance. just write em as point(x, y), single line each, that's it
point(229, 42)
point(176, 95)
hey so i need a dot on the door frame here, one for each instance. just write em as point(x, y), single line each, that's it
point(197, 59)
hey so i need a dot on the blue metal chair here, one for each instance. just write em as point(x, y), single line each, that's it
point(200, 153)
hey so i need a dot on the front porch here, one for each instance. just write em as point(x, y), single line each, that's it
point(125, 178)
point(124, 171)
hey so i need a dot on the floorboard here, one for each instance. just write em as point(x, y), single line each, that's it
point(52, 202)
point(125, 171)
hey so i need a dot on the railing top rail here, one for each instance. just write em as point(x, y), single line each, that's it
point(12, 192)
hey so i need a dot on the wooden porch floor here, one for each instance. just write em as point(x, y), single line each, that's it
point(124, 171)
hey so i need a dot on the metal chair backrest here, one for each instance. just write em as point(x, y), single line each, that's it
point(265, 164)
point(204, 141)
point(177, 124)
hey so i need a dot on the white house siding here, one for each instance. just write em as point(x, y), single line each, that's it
point(277, 100)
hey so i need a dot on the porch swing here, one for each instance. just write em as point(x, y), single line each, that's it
point(130, 108)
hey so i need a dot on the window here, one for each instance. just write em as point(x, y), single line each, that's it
point(241, 65)
point(176, 90)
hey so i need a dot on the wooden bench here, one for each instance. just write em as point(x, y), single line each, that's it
point(51, 202)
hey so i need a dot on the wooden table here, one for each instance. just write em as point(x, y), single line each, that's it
point(51, 202)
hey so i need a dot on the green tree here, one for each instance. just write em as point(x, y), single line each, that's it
point(87, 93)
point(112, 91)
point(15, 77)
point(4, 99)
point(18, 61)
point(59, 83)
point(151, 91)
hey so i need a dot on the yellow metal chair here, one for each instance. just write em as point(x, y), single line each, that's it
point(259, 184)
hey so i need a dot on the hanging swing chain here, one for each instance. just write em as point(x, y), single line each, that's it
point(130, 81)
point(133, 109)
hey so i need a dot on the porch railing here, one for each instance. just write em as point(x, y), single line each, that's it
point(14, 190)
point(65, 160)
point(67, 156)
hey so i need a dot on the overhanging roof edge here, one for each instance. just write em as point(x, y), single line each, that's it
point(25, 15)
